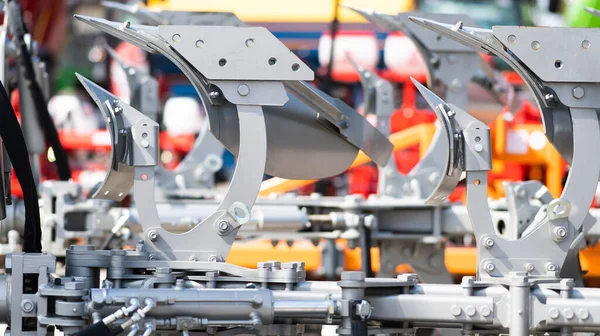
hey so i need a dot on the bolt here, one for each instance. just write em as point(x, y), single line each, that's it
point(560, 233)
point(214, 258)
point(578, 92)
point(568, 312)
point(478, 147)
point(243, 90)
point(551, 268)
point(583, 314)
point(363, 309)
point(553, 313)
point(529, 267)
point(153, 235)
point(214, 94)
point(223, 227)
point(549, 96)
point(485, 311)
point(152, 257)
point(27, 305)
point(193, 258)
point(455, 310)
point(488, 242)
point(489, 266)
point(470, 310)
point(353, 276)
point(145, 143)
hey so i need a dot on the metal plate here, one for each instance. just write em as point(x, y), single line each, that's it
point(555, 54)
point(236, 53)
point(120, 177)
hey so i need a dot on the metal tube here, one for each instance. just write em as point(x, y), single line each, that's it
point(302, 309)
point(519, 309)
point(212, 304)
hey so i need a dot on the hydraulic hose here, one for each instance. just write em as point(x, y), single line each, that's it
point(19, 30)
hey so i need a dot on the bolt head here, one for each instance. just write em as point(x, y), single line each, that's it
point(490, 267)
point(551, 268)
point(353, 276)
point(578, 92)
point(478, 147)
point(553, 313)
point(583, 314)
point(488, 242)
point(363, 309)
point(243, 90)
point(152, 257)
point(568, 313)
point(455, 310)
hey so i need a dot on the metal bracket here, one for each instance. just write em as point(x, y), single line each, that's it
point(308, 120)
point(565, 89)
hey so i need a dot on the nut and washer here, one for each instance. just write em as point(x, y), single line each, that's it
point(152, 235)
point(223, 227)
point(560, 233)
point(489, 266)
point(529, 267)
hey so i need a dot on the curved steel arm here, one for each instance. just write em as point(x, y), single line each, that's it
point(448, 63)
point(555, 115)
point(564, 87)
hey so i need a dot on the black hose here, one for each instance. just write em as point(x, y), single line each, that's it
point(14, 142)
point(19, 30)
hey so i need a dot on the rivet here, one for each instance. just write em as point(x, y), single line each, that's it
point(199, 44)
point(144, 177)
point(27, 306)
point(193, 258)
point(250, 43)
point(145, 143)
point(535, 45)
point(152, 257)
point(478, 147)
point(485, 311)
point(176, 38)
point(578, 92)
point(243, 90)
point(455, 310)
point(568, 312)
point(583, 313)
point(470, 310)
point(551, 268)
point(553, 313)
point(511, 38)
